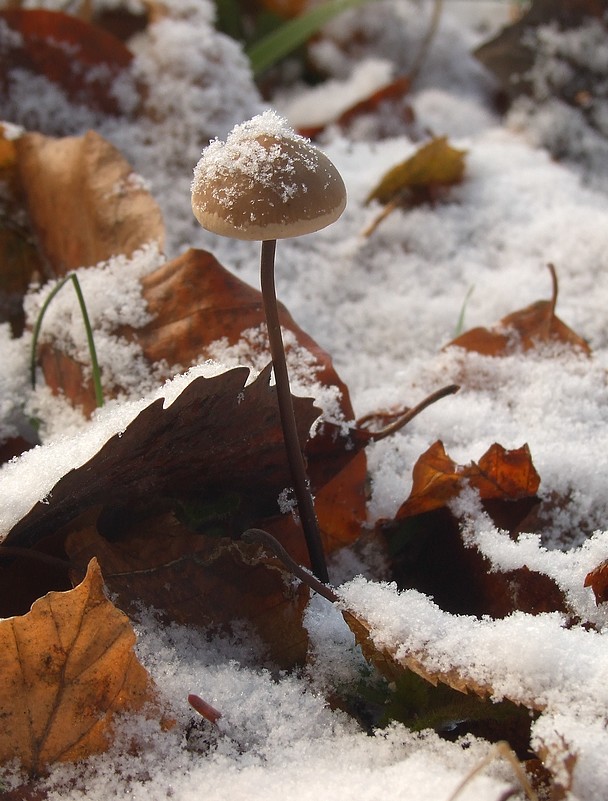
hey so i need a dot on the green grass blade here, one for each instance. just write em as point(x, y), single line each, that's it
point(270, 49)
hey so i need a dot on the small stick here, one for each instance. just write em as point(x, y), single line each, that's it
point(408, 416)
point(264, 538)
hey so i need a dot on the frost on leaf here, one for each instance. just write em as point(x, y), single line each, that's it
point(83, 60)
point(218, 436)
point(67, 668)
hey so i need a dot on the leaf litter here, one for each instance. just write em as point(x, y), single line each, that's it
point(550, 396)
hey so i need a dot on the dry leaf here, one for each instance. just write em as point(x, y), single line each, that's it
point(83, 60)
point(389, 100)
point(523, 330)
point(201, 580)
point(19, 257)
point(67, 667)
point(84, 200)
point(510, 54)
point(195, 303)
point(499, 473)
point(219, 436)
point(434, 165)
point(597, 579)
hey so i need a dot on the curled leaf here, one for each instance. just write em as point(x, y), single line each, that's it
point(499, 473)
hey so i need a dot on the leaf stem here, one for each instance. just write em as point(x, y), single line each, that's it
point(89, 332)
point(306, 508)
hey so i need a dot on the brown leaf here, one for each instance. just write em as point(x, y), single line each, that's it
point(510, 54)
point(85, 61)
point(200, 580)
point(437, 479)
point(19, 258)
point(436, 164)
point(597, 579)
point(523, 330)
point(196, 302)
point(219, 436)
point(67, 667)
point(84, 200)
point(389, 97)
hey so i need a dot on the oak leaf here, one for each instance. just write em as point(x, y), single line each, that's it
point(499, 473)
point(68, 667)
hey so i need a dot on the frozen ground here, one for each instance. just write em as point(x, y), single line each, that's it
point(384, 307)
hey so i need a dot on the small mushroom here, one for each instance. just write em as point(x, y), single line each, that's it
point(267, 183)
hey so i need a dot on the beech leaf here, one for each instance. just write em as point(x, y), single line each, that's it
point(499, 473)
point(523, 330)
point(84, 201)
point(201, 581)
point(218, 436)
point(82, 59)
point(68, 667)
point(597, 579)
point(436, 164)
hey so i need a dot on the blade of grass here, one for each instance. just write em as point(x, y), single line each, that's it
point(89, 332)
point(271, 48)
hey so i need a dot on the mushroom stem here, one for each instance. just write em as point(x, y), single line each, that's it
point(306, 509)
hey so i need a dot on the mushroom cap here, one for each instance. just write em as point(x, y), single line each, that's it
point(266, 182)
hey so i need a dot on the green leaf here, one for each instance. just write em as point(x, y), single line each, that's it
point(267, 51)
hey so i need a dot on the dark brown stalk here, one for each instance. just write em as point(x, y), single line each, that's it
point(306, 508)
point(265, 538)
point(406, 417)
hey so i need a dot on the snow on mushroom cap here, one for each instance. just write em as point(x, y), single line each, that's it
point(266, 182)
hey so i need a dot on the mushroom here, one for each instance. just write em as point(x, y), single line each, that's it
point(266, 183)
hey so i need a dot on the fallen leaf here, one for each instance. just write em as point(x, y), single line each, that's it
point(68, 668)
point(196, 303)
point(18, 253)
point(85, 61)
point(193, 579)
point(433, 165)
point(388, 100)
point(84, 201)
point(511, 53)
point(597, 579)
point(499, 473)
point(522, 330)
point(218, 436)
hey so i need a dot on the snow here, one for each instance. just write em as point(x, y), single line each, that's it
point(384, 307)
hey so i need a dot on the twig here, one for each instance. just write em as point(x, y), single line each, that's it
point(258, 535)
point(402, 421)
